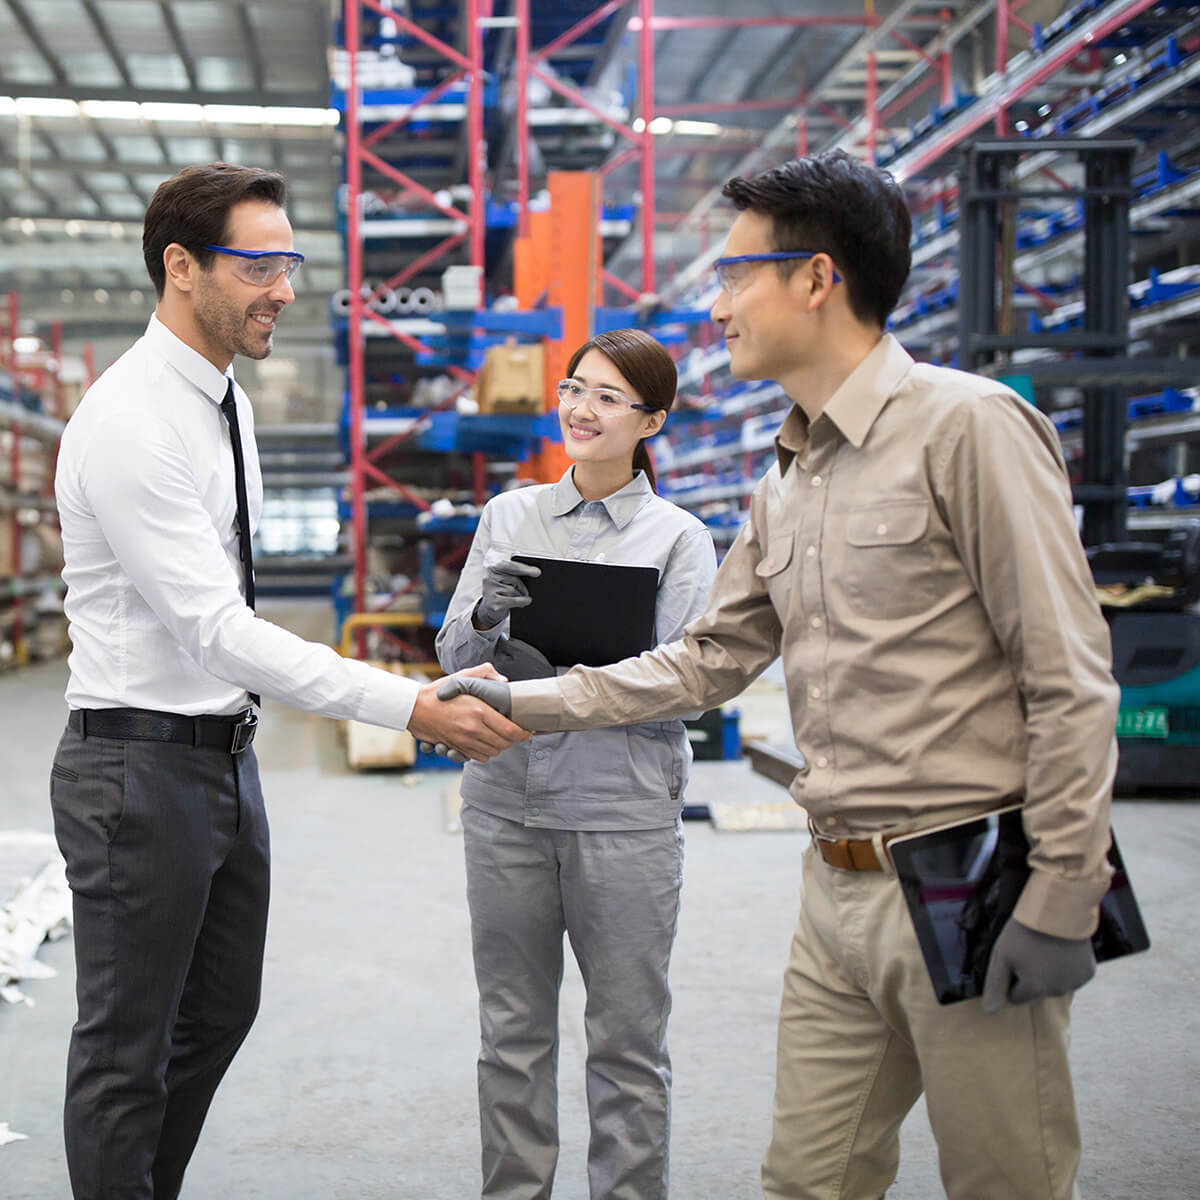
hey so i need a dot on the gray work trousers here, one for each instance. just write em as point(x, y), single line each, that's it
point(168, 860)
point(616, 895)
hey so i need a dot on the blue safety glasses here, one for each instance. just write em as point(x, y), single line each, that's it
point(262, 267)
point(733, 272)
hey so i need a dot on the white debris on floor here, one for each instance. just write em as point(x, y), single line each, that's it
point(37, 908)
point(9, 1135)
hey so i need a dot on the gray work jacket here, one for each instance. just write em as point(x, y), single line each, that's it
point(630, 777)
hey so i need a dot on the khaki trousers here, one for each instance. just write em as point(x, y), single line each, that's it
point(861, 1036)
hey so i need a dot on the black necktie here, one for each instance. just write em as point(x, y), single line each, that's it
point(229, 408)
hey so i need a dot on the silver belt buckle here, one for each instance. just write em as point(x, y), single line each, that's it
point(243, 732)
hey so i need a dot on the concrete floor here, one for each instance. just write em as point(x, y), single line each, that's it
point(358, 1079)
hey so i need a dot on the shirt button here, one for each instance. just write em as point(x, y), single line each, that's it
point(815, 693)
point(815, 622)
point(539, 754)
point(535, 812)
point(822, 762)
point(810, 552)
point(881, 529)
point(816, 481)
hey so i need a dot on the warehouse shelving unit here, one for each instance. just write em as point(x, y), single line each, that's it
point(411, 454)
point(1143, 72)
point(32, 407)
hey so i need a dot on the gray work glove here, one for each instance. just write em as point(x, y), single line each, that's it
point(515, 659)
point(1025, 964)
point(496, 694)
point(503, 590)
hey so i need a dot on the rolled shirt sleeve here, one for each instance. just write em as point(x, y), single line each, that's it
point(731, 643)
point(1008, 504)
point(459, 644)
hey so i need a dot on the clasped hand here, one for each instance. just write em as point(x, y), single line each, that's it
point(452, 715)
point(489, 689)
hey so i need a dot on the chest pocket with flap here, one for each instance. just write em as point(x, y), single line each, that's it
point(888, 568)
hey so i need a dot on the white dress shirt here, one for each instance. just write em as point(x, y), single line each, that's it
point(158, 620)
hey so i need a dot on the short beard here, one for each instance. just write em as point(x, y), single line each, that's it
point(221, 328)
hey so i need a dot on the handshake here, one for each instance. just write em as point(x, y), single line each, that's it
point(466, 715)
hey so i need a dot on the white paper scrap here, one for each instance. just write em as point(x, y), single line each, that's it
point(8, 1135)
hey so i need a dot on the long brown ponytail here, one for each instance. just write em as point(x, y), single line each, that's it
point(650, 371)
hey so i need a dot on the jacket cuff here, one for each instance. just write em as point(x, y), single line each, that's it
point(1065, 908)
point(537, 705)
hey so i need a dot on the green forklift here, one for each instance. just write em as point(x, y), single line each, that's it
point(1150, 593)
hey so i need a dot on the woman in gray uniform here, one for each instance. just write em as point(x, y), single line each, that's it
point(579, 832)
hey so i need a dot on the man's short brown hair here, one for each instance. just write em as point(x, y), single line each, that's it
point(193, 207)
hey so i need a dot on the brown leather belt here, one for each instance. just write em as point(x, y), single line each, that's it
point(848, 854)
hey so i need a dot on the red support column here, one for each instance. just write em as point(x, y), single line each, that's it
point(476, 148)
point(355, 323)
point(523, 18)
point(646, 76)
point(14, 465)
point(56, 348)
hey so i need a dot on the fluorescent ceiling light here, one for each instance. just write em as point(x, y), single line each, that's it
point(155, 111)
point(303, 116)
point(111, 110)
point(662, 125)
point(130, 110)
point(45, 106)
point(703, 128)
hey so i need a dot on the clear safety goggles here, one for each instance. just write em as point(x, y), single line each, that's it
point(604, 402)
point(262, 267)
point(734, 272)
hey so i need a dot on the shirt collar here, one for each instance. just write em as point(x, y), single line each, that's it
point(856, 404)
point(191, 364)
point(622, 506)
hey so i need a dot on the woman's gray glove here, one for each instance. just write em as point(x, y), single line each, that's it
point(1025, 964)
point(503, 590)
point(496, 694)
point(515, 659)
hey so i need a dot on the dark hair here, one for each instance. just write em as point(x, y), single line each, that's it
point(193, 207)
point(834, 202)
point(647, 366)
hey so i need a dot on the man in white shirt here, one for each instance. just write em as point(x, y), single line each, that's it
point(155, 789)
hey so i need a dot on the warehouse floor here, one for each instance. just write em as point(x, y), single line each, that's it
point(358, 1079)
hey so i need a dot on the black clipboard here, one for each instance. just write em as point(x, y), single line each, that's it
point(587, 613)
point(961, 882)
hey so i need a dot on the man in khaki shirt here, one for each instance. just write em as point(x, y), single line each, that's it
point(913, 555)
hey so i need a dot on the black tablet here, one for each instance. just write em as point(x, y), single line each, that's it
point(961, 882)
point(587, 613)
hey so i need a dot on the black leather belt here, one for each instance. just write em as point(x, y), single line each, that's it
point(233, 733)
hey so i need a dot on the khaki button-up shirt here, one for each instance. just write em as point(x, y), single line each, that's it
point(914, 555)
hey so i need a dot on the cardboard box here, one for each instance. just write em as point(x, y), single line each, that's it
point(372, 746)
point(512, 380)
